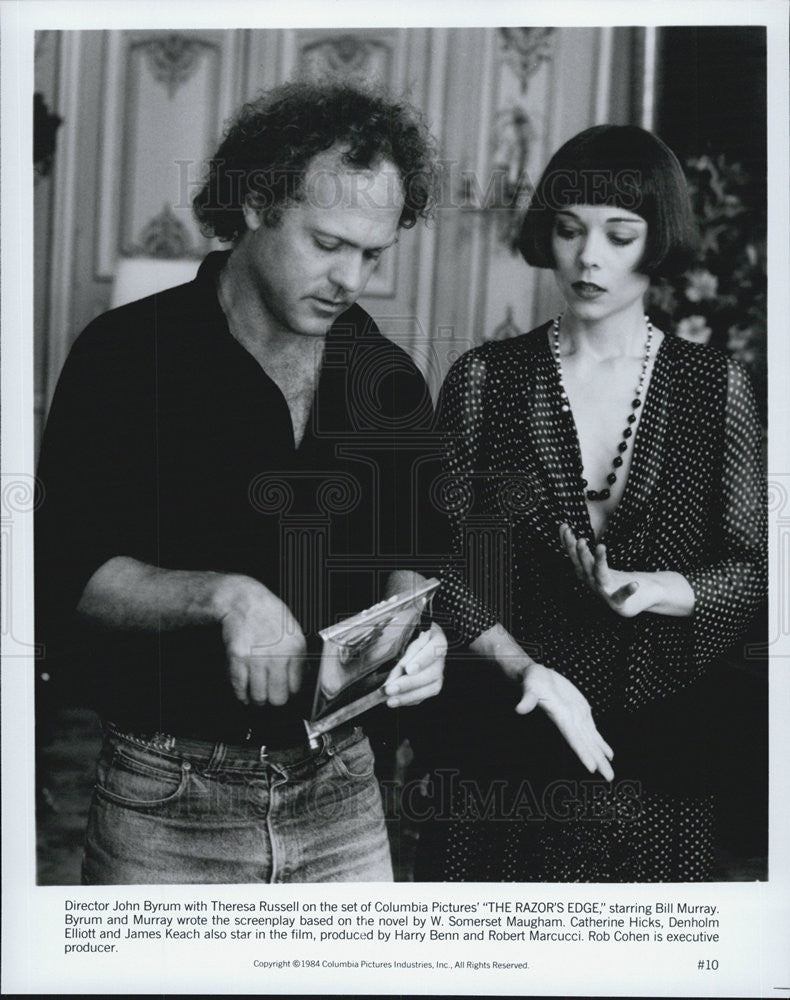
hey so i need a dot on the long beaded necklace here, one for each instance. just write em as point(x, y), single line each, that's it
point(636, 402)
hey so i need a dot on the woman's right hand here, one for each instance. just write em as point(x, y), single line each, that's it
point(561, 700)
point(570, 712)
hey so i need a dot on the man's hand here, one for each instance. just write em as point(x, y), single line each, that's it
point(420, 671)
point(263, 641)
point(570, 712)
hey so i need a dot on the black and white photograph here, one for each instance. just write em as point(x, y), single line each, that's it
point(394, 515)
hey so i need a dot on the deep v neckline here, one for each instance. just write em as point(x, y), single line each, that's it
point(644, 442)
point(274, 386)
point(280, 396)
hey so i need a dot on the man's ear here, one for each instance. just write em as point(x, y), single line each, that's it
point(252, 215)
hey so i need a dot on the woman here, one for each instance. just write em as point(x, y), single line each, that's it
point(605, 488)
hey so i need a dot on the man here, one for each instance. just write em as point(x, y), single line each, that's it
point(227, 468)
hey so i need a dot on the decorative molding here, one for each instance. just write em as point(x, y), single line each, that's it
point(165, 237)
point(480, 251)
point(45, 128)
point(603, 72)
point(510, 188)
point(363, 56)
point(525, 50)
point(110, 161)
point(64, 212)
point(222, 60)
point(348, 56)
point(649, 63)
point(173, 60)
point(435, 62)
point(506, 329)
point(41, 43)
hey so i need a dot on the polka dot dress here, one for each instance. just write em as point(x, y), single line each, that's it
point(668, 839)
point(694, 502)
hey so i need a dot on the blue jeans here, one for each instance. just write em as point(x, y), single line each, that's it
point(185, 811)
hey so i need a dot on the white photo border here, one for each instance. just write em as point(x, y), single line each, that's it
point(757, 964)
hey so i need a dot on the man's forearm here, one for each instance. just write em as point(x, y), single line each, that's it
point(124, 593)
point(263, 642)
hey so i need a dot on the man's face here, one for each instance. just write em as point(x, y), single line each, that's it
point(313, 265)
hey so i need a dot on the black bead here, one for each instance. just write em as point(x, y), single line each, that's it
point(622, 446)
point(631, 418)
point(604, 494)
point(611, 479)
point(627, 432)
point(617, 461)
point(584, 483)
point(636, 404)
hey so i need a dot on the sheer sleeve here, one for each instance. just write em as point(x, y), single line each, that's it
point(728, 591)
point(461, 425)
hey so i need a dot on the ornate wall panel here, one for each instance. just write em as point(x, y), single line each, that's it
point(47, 59)
point(399, 293)
point(143, 109)
point(365, 57)
point(167, 95)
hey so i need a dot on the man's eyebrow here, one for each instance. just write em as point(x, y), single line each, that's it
point(350, 243)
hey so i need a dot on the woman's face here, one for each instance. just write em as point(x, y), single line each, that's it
point(597, 249)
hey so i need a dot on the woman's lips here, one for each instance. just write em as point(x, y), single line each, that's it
point(587, 290)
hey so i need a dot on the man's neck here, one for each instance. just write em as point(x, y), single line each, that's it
point(250, 321)
point(292, 361)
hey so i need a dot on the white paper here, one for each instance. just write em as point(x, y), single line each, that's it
point(752, 954)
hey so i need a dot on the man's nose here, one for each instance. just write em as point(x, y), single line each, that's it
point(349, 272)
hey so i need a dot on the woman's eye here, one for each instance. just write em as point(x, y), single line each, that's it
point(565, 233)
point(326, 246)
point(621, 241)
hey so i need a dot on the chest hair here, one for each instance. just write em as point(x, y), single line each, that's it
point(295, 370)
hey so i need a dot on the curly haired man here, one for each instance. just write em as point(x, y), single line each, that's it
point(190, 432)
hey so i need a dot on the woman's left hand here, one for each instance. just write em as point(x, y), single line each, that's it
point(419, 673)
point(626, 593)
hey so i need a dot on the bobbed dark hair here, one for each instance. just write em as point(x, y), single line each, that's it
point(268, 147)
point(623, 166)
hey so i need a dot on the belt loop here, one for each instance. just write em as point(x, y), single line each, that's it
point(218, 755)
point(262, 755)
point(327, 745)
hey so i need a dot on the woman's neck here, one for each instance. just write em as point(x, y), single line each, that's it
point(622, 335)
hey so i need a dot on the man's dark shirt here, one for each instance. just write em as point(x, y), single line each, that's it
point(168, 443)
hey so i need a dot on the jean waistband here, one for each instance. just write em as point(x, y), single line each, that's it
point(216, 752)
